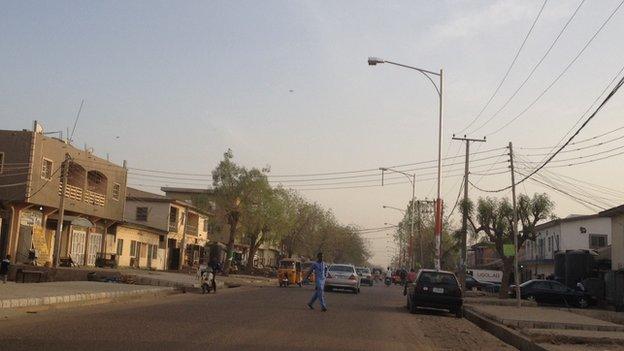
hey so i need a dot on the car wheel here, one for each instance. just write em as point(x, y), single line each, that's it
point(582, 302)
point(459, 312)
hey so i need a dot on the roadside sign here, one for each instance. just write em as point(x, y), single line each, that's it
point(509, 250)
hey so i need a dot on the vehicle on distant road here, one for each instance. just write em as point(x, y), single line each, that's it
point(551, 292)
point(435, 289)
point(365, 275)
point(474, 284)
point(305, 268)
point(342, 276)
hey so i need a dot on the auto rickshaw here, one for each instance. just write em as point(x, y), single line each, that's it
point(305, 268)
point(289, 272)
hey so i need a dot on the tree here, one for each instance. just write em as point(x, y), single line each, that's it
point(494, 217)
point(234, 188)
point(264, 217)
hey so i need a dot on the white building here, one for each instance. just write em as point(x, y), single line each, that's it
point(575, 232)
point(616, 218)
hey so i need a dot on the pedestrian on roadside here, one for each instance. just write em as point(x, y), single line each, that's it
point(411, 276)
point(4, 269)
point(320, 269)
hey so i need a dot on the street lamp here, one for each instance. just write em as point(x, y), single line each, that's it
point(373, 61)
point(412, 179)
point(393, 208)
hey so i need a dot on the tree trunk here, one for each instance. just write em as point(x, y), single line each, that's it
point(507, 268)
point(253, 248)
point(232, 222)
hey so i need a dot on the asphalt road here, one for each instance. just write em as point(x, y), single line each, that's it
point(246, 319)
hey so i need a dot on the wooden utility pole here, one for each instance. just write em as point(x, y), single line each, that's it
point(464, 237)
point(514, 225)
point(61, 211)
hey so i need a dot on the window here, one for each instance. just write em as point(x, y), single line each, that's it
point(141, 214)
point(173, 215)
point(116, 189)
point(154, 252)
point(1, 161)
point(46, 169)
point(557, 242)
point(206, 225)
point(597, 241)
point(133, 248)
point(119, 247)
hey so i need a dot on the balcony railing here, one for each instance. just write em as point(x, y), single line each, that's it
point(173, 226)
point(71, 191)
point(190, 229)
point(94, 198)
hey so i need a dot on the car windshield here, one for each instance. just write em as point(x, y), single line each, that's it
point(346, 269)
point(437, 278)
point(362, 271)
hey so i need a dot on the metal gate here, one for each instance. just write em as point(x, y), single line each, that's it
point(77, 250)
point(95, 243)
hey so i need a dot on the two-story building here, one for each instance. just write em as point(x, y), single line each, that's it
point(185, 225)
point(30, 192)
point(575, 232)
point(616, 217)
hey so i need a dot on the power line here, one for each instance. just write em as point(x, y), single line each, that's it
point(562, 72)
point(533, 69)
point(550, 158)
point(513, 62)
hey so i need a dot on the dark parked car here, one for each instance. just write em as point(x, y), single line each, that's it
point(435, 289)
point(472, 283)
point(551, 292)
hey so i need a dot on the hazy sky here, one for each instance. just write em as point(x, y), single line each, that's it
point(171, 85)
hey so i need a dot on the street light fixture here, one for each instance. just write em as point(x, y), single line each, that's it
point(373, 61)
point(393, 208)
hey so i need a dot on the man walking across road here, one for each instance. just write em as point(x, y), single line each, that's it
point(319, 268)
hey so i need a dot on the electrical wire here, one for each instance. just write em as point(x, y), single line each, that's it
point(560, 74)
point(513, 62)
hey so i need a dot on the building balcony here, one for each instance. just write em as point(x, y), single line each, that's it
point(94, 198)
point(173, 226)
point(71, 191)
point(190, 229)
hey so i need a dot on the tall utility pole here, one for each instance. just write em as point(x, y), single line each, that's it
point(183, 243)
point(61, 212)
point(462, 259)
point(514, 225)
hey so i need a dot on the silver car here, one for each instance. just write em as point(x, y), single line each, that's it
point(342, 276)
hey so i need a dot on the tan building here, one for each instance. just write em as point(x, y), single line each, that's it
point(30, 192)
point(186, 225)
point(138, 246)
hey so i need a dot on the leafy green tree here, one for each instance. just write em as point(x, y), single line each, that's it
point(494, 217)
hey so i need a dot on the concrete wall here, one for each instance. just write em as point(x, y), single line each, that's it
point(142, 236)
point(16, 148)
point(617, 242)
point(157, 213)
point(572, 237)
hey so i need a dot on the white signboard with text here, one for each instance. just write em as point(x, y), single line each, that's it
point(485, 275)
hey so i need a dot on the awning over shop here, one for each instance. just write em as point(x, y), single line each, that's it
point(75, 220)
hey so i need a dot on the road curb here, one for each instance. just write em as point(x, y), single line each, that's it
point(80, 298)
point(507, 335)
